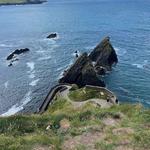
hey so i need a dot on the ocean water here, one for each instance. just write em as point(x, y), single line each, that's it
point(80, 26)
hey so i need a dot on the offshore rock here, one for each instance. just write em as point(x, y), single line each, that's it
point(52, 35)
point(17, 52)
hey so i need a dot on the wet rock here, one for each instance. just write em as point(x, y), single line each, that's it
point(17, 52)
point(100, 70)
point(10, 65)
point(104, 54)
point(88, 68)
point(52, 35)
point(82, 73)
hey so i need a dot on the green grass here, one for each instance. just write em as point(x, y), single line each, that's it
point(84, 94)
point(28, 131)
point(12, 1)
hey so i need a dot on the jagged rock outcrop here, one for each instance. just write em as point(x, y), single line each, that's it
point(88, 69)
point(17, 52)
point(104, 54)
point(82, 73)
point(52, 35)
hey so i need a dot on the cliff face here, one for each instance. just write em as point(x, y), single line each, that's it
point(104, 54)
point(81, 73)
point(85, 72)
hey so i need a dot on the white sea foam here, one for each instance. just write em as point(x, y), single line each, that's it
point(32, 75)
point(60, 75)
point(19, 106)
point(31, 65)
point(44, 58)
point(61, 68)
point(140, 66)
point(143, 65)
point(120, 51)
point(51, 41)
point(34, 82)
point(5, 45)
point(124, 90)
point(6, 84)
point(40, 51)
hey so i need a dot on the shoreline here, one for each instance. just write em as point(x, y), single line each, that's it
point(22, 3)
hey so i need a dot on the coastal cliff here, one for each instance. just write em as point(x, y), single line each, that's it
point(81, 118)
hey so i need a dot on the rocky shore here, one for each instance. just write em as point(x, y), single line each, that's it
point(88, 68)
point(21, 2)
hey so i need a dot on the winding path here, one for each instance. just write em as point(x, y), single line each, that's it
point(64, 91)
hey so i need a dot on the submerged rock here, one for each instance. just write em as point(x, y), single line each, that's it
point(9, 65)
point(82, 73)
point(52, 35)
point(17, 52)
point(104, 54)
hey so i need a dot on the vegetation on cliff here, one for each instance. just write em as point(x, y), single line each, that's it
point(63, 126)
point(11, 2)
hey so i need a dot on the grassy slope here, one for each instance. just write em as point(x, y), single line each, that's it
point(84, 94)
point(12, 1)
point(29, 132)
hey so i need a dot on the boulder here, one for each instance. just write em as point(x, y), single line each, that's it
point(17, 52)
point(82, 73)
point(104, 54)
point(52, 35)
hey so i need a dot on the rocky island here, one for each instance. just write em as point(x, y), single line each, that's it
point(88, 68)
point(20, 2)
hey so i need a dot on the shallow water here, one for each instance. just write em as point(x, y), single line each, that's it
point(80, 25)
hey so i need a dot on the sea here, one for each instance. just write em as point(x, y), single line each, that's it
point(80, 25)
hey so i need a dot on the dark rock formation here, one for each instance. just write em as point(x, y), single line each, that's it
point(88, 69)
point(10, 65)
point(52, 35)
point(10, 2)
point(82, 73)
point(104, 54)
point(100, 70)
point(17, 52)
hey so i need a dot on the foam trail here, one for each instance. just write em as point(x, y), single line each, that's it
point(5, 45)
point(34, 82)
point(44, 58)
point(140, 66)
point(144, 65)
point(31, 76)
point(6, 84)
point(31, 65)
point(62, 68)
point(18, 107)
point(124, 90)
point(120, 51)
point(40, 51)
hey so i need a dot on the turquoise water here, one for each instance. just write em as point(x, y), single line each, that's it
point(80, 26)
